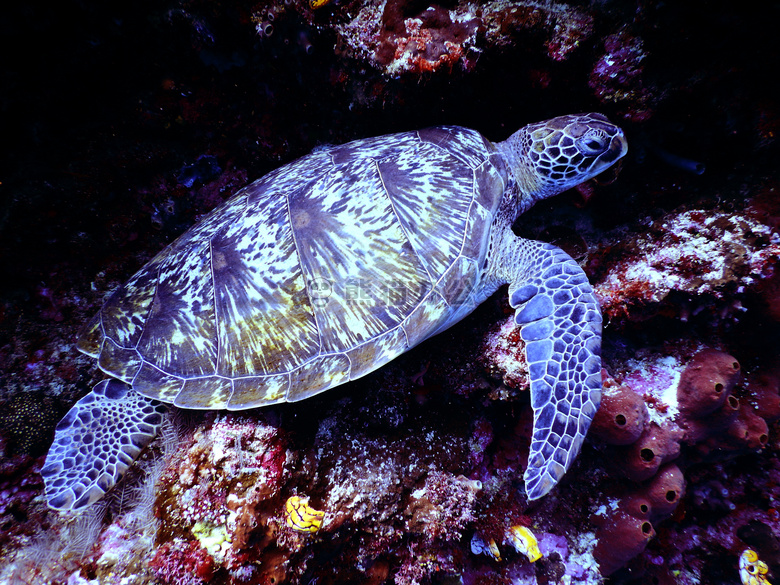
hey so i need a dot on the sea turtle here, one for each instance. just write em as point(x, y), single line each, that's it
point(329, 267)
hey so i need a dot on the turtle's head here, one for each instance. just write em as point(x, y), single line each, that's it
point(552, 156)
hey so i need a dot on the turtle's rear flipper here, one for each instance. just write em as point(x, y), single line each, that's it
point(562, 332)
point(96, 442)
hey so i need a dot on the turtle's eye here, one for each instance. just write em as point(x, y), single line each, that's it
point(593, 143)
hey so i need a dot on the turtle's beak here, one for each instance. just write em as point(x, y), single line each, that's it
point(618, 147)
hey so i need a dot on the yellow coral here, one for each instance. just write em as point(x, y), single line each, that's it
point(524, 542)
point(215, 539)
point(751, 570)
point(318, 3)
point(302, 517)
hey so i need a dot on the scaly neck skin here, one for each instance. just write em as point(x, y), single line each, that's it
point(524, 189)
point(528, 187)
point(505, 264)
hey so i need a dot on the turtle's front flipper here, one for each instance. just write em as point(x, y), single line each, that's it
point(96, 442)
point(562, 332)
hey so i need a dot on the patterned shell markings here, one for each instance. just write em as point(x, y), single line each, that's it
point(318, 273)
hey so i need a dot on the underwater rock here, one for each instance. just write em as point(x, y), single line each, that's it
point(20, 484)
point(502, 353)
point(444, 507)
point(701, 253)
point(218, 488)
point(404, 37)
point(182, 562)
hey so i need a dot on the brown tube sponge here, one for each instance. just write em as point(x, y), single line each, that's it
point(698, 429)
point(706, 382)
point(665, 491)
point(621, 417)
point(749, 430)
point(655, 446)
point(766, 396)
point(620, 538)
point(637, 505)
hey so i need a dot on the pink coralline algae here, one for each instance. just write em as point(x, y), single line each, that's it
point(213, 490)
point(697, 252)
point(182, 562)
point(408, 37)
point(617, 76)
point(503, 354)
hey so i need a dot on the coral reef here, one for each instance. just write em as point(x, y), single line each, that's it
point(26, 420)
point(696, 252)
point(185, 562)
point(502, 354)
point(405, 37)
point(20, 483)
point(213, 490)
point(617, 76)
point(125, 123)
